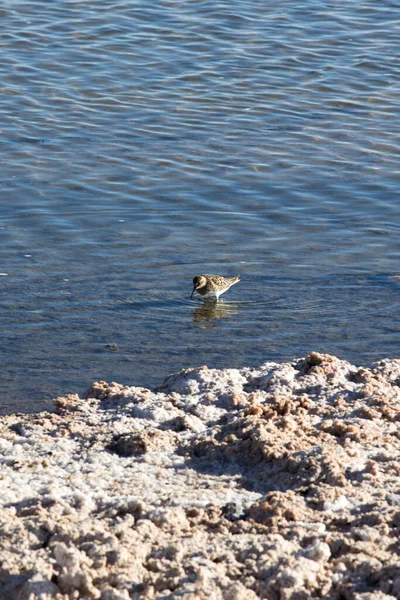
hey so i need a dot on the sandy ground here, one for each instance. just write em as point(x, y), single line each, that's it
point(280, 482)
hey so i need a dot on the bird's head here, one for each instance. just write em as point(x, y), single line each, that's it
point(198, 282)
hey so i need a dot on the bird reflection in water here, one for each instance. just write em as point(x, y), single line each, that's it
point(207, 313)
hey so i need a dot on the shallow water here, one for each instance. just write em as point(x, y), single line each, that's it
point(143, 144)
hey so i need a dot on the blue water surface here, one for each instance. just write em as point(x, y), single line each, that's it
point(143, 143)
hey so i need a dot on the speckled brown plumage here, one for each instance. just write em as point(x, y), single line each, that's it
point(210, 287)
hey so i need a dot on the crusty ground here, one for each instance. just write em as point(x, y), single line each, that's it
point(280, 482)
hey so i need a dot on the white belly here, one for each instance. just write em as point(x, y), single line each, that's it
point(213, 296)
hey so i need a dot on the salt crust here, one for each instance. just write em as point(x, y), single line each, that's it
point(280, 482)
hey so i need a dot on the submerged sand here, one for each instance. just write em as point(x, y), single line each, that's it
point(278, 482)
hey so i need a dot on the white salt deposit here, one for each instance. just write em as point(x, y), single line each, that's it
point(277, 482)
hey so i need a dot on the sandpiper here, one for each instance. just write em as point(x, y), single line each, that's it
point(210, 287)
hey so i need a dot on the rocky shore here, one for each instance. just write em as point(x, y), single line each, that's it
point(279, 482)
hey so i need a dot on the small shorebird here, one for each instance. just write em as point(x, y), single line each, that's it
point(212, 286)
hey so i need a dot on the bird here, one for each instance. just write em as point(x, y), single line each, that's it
point(210, 287)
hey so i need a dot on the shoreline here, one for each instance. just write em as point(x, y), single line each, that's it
point(278, 482)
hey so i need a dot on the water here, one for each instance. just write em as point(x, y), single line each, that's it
point(143, 143)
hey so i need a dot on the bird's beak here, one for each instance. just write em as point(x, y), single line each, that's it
point(191, 295)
